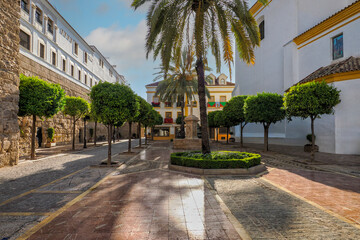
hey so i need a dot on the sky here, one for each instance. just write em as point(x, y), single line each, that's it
point(119, 33)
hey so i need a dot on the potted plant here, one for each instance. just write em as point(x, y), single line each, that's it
point(308, 147)
point(50, 138)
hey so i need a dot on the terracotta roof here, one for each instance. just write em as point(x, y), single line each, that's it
point(349, 65)
point(356, 2)
point(155, 84)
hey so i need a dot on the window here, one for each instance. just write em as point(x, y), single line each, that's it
point(168, 104)
point(42, 50)
point(72, 70)
point(156, 99)
point(338, 47)
point(212, 99)
point(25, 5)
point(91, 83)
point(168, 115)
point(194, 103)
point(79, 75)
point(38, 15)
point(110, 73)
point(85, 79)
point(222, 98)
point(178, 114)
point(64, 65)
point(101, 63)
point(25, 40)
point(53, 58)
point(85, 57)
point(50, 26)
point(262, 30)
point(222, 82)
point(76, 48)
point(211, 81)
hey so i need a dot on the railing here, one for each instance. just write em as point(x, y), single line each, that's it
point(168, 104)
point(216, 104)
point(155, 104)
point(168, 120)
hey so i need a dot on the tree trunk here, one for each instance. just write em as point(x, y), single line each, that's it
point(227, 135)
point(152, 134)
point(129, 144)
point(33, 138)
point(95, 133)
point(85, 133)
point(73, 140)
point(109, 145)
point(217, 135)
point(145, 135)
point(241, 134)
point(312, 139)
point(205, 143)
point(139, 132)
point(182, 127)
point(266, 137)
point(113, 134)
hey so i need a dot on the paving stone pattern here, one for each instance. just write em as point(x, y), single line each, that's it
point(269, 213)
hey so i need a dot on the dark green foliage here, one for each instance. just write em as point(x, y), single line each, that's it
point(113, 103)
point(234, 110)
point(144, 109)
point(309, 137)
point(311, 100)
point(76, 107)
point(51, 134)
point(39, 98)
point(216, 160)
point(211, 119)
point(264, 108)
point(222, 120)
point(179, 120)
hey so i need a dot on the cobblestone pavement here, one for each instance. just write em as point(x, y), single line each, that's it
point(144, 201)
point(34, 190)
point(269, 213)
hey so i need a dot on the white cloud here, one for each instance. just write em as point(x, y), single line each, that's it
point(125, 48)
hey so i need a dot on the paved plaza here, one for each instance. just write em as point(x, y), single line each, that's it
point(144, 200)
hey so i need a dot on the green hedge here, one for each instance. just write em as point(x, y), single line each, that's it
point(216, 160)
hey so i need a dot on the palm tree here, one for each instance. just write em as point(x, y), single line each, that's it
point(179, 82)
point(207, 24)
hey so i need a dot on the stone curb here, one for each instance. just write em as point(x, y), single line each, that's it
point(213, 172)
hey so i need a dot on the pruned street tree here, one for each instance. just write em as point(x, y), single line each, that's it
point(222, 120)
point(76, 108)
point(264, 108)
point(213, 123)
point(39, 98)
point(311, 100)
point(112, 103)
point(144, 109)
point(234, 111)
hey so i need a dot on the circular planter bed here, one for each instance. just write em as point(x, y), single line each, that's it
point(217, 163)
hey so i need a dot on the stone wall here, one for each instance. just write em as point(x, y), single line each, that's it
point(9, 81)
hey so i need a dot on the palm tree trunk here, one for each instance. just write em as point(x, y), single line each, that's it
point(73, 140)
point(109, 145)
point(33, 138)
point(129, 144)
point(95, 133)
point(205, 143)
point(182, 127)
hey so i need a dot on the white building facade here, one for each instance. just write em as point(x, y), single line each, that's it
point(306, 40)
point(220, 93)
point(48, 39)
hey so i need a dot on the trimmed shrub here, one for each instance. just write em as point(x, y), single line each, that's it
point(215, 160)
point(51, 134)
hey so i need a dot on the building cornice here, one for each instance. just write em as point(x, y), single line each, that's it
point(257, 8)
point(329, 23)
point(339, 77)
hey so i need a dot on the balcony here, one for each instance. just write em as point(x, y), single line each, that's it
point(168, 104)
point(155, 104)
point(216, 104)
point(178, 104)
point(168, 120)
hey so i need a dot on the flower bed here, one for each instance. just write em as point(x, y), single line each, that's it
point(216, 160)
